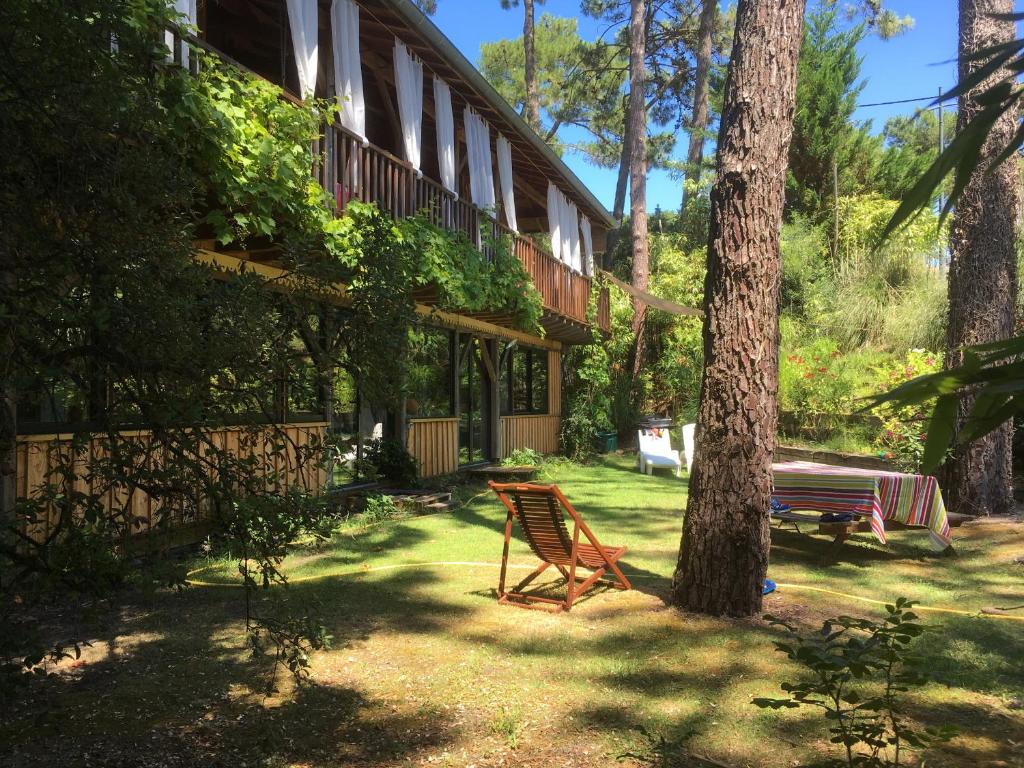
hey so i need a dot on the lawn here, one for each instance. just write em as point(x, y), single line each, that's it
point(426, 668)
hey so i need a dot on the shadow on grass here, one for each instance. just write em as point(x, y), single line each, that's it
point(170, 683)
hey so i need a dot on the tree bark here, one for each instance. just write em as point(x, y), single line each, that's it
point(723, 556)
point(638, 170)
point(530, 68)
point(983, 273)
point(699, 118)
point(619, 205)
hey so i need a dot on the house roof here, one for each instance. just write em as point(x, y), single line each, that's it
point(440, 54)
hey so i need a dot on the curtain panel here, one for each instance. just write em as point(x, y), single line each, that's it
point(409, 86)
point(445, 120)
point(505, 179)
point(348, 71)
point(302, 17)
point(481, 167)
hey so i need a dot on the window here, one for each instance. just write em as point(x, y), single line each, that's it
point(430, 374)
point(305, 395)
point(524, 380)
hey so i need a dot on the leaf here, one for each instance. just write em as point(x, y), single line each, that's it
point(940, 432)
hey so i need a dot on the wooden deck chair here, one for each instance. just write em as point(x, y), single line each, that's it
point(539, 510)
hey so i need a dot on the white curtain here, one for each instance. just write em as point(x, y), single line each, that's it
point(588, 244)
point(563, 221)
point(555, 219)
point(187, 18)
point(571, 235)
point(409, 85)
point(445, 120)
point(305, 35)
point(505, 179)
point(481, 168)
point(348, 72)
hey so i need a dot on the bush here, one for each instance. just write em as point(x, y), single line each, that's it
point(903, 433)
point(857, 669)
point(523, 457)
point(390, 460)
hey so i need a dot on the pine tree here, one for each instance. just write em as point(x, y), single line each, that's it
point(723, 556)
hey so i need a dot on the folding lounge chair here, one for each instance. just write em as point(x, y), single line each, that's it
point(655, 450)
point(538, 508)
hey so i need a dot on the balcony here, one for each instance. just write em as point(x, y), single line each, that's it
point(354, 171)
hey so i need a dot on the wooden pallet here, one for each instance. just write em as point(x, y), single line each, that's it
point(419, 501)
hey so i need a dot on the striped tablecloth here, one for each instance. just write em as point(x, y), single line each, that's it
point(908, 499)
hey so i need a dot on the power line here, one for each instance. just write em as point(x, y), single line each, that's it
point(898, 101)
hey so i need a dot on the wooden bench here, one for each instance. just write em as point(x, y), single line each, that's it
point(842, 530)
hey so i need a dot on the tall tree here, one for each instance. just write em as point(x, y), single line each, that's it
point(638, 169)
point(532, 105)
point(701, 76)
point(579, 86)
point(723, 556)
point(982, 273)
point(668, 49)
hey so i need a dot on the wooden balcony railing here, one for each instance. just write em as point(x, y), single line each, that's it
point(354, 171)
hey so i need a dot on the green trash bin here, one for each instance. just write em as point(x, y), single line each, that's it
point(607, 442)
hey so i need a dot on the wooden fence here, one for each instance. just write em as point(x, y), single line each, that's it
point(47, 460)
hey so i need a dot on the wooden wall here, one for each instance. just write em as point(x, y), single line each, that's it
point(554, 383)
point(435, 445)
point(40, 455)
point(539, 432)
point(435, 442)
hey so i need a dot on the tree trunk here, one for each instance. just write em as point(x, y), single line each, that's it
point(638, 170)
point(699, 118)
point(532, 97)
point(620, 184)
point(619, 204)
point(723, 556)
point(982, 272)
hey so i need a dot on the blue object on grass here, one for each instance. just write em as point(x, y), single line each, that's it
point(778, 506)
point(768, 588)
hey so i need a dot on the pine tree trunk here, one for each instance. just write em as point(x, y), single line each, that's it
point(723, 556)
point(982, 273)
point(699, 118)
point(638, 170)
point(623, 178)
point(532, 97)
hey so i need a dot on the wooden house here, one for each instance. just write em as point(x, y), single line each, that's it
point(419, 129)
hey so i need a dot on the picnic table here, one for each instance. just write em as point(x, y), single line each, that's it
point(874, 497)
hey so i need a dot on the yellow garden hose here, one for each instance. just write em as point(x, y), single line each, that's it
point(471, 564)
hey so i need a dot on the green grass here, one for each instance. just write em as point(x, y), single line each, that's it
point(426, 668)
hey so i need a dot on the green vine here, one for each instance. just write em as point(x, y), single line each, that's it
point(469, 281)
point(252, 151)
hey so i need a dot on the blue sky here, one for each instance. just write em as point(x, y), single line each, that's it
point(912, 65)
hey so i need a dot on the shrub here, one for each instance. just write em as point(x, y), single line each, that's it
point(903, 432)
point(815, 385)
point(390, 460)
point(523, 457)
point(857, 669)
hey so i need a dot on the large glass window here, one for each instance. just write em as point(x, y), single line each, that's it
point(430, 374)
point(524, 380)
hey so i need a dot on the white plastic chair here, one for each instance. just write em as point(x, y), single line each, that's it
point(689, 445)
point(656, 451)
